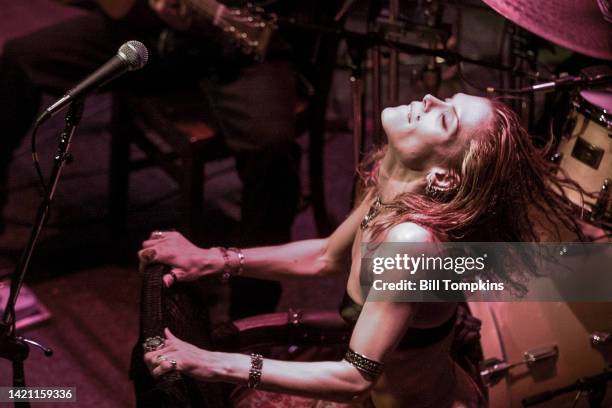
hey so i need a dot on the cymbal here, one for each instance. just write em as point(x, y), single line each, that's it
point(578, 25)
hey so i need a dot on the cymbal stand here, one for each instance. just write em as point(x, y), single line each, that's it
point(523, 56)
point(357, 51)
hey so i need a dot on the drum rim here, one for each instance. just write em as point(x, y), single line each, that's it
point(593, 112)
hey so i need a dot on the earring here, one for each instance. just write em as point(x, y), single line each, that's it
point(439, 193)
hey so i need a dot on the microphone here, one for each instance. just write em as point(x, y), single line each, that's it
point(591, 76)
point(131, 56)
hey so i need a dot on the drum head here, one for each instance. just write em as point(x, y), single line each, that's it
point(596, 105)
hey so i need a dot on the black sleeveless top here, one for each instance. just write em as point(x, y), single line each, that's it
point(414, 337)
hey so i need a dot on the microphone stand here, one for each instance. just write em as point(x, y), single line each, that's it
point(12, 347)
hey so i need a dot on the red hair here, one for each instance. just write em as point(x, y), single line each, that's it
point(507, 190)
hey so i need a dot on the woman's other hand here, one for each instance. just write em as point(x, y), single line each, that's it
point(187, 262)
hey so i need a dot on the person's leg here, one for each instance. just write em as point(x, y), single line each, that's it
point(256, 112)
point(19, 102)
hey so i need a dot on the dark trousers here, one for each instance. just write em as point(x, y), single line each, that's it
point(252, 103)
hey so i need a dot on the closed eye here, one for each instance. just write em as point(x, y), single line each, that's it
point(444, 124)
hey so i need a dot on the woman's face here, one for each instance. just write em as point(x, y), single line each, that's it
point(431, 131)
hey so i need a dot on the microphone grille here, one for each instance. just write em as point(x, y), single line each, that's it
point(135, 54)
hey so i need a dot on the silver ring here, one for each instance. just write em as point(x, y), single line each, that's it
point(160, 358)
point(153, 343)
point(173, 364)
point(157, 234)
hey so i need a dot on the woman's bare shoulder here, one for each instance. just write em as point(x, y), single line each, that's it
point(409, 232)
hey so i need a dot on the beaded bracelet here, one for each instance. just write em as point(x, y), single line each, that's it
point(227, 267)
point(255, 371)
point(370, 369)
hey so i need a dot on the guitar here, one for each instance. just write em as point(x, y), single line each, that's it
point(249, 28)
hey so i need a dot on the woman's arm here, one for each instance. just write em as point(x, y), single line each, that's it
point(331, 380)
point(302, 258)
point(309, 257)
point(380, 327)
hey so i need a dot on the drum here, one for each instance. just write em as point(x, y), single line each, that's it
point(532, 348)
point(585, 152)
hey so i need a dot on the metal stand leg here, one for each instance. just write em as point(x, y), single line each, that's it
point(12, 347)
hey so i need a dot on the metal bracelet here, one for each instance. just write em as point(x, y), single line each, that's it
point(238, 252)
point(370, 369)
point(255, 371)
point(228, 269)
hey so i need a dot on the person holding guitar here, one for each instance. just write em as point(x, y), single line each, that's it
point(246, 75)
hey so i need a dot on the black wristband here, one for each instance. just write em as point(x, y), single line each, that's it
point(369, 368)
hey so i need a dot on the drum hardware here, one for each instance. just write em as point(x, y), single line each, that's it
point(584, 152)
point(597, 114)
point(600, 338)
point(523, 54)
point(493, 369)
point(602, 205)
point(504, 333)
point(587, 153)
point(556, 158)
point(594, 386)
point(398, 31)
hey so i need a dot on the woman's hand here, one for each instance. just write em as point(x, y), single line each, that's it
point(173, 12)
point(177, 355)
point(187, 262)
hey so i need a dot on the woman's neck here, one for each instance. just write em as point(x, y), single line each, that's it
point(395, 178)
